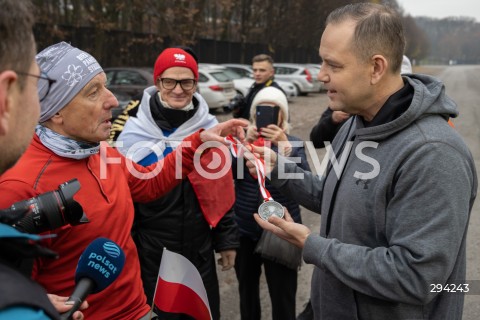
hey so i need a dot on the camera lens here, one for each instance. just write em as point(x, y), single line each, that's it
point(72, 210)
point(45, 214)
point(50, 210)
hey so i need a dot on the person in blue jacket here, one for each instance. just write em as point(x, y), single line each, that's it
point(20, 297)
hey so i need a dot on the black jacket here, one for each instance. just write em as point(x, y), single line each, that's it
point(19, 291)
point(16, 288)
point(325, 129)
point(175, 220)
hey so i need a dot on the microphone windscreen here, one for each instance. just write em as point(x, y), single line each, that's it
point(102, 262)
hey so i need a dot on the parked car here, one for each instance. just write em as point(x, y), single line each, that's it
point(215, 86)
point(126, 83)
point(246, 72)
point(299, 75)
point(315, 69)
point(241, 84)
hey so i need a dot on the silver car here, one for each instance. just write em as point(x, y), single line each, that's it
point(299, 75)
point(246, 71)
point(215, 86)
point(315, 69)
point(241, 84)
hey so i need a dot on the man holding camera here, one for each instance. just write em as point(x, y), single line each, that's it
point(75, 119)
point(20, 297)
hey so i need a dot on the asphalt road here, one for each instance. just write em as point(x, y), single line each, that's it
point(463, 85)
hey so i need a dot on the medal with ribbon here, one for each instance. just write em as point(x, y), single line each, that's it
point(269, 206)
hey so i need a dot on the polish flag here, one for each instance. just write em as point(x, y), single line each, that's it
point(180, 288)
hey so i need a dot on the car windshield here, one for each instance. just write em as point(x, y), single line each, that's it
point(232, 74)
point(130, 77)
point(220, 76)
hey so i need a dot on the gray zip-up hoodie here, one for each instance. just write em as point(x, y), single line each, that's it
point(394, 225)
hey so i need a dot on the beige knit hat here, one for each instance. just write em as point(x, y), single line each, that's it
point(271, 95)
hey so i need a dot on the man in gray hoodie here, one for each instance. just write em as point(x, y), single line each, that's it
point(395, 207)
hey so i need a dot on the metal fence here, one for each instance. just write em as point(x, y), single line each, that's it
point(120, 48)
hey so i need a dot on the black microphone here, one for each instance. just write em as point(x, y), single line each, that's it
point(99, 265)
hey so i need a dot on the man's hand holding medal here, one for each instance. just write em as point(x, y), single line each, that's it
point(261, 161)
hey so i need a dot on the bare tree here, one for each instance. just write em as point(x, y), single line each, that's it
point(287, 26)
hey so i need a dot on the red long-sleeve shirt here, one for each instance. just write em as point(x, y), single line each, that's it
point(107, 193)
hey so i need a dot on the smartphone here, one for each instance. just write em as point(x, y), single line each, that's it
point(266, 115)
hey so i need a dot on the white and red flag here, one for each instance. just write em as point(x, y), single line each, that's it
point(180, 288)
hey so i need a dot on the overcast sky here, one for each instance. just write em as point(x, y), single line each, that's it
point(442, 8)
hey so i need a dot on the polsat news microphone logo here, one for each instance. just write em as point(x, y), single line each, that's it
point(104, 257)
point(111, 249)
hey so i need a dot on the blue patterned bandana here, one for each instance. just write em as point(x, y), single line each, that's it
point(64, 146)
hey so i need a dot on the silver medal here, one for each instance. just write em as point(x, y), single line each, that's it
point(270, 208)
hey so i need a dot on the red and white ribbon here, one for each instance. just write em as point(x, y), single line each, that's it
point(237, 149)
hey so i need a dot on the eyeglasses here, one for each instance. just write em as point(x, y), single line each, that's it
point(44, 84)
point(185, 84)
